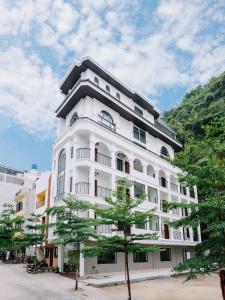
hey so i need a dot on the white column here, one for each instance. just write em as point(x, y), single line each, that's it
point(81, 260)
point(113, 158)
point(113, 182)
point(145, 168)
point(61, 250)
point(92, 181)
point(92, 149)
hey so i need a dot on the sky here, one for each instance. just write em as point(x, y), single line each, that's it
point(161, 48)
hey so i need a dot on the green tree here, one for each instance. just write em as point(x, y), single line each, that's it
point(121, 211)
point(72, 228)
point(10, 226)
point(204, 164)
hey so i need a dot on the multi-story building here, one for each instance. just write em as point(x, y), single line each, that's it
point(107, 132)
point(10, 181)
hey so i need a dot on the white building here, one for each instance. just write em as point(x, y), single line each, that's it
point(106, 132)
point(10, 181)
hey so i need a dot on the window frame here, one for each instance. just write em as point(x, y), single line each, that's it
point(106, 120)
point(107, 88)
point(102, 262)
point(96, 81)
point(138, 111)
point(139, 134)
point(166, 257)
point(73, 119)
point(138, 259)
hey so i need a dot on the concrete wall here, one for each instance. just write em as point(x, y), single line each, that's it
point(153, 262)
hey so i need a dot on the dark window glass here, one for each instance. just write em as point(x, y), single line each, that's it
point(107, 258)
point(71, 152)
point(165, 255)
point(165, 206)
point(140, 257)
point(61, 172)
point(46, 252)
point(96, 80)
point(107, 88)
point(118, 96)
point(73, 119)
point(139, 189)
point(56, 252)
point(106, 120)
point(163, 181)
point(71, 184)
point(136, 132)
point(141, 224)
point(139, 134)
point(164, 152)
point(138, 111)
point(142, 136)
point(152, 195)
point(119, 164)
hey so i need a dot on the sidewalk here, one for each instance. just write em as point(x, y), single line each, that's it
point(109, 279)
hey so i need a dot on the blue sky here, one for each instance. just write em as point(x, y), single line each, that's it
point(161, 48)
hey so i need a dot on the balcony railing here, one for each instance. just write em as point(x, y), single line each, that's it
point(59, 198)
point(82, 153)
point(176, 211)
point(154, 226)
point(82, 188)
point(103, 159)
point(103, 192)
point(174, 187)
point(103, 228)
point(177, 235)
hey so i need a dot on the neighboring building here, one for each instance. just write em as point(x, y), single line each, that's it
point(10, 181)
point(106, 132)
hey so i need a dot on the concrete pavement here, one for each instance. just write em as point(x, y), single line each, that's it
point(17, 284)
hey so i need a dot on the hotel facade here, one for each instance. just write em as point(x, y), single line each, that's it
point(107, 131)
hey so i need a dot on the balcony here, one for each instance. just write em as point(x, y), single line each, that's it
point(166, 234)
point(103, 192)
point(82, 153)
point(105, 229)
point(103, 159)
point(82, 188)
point(177, 235)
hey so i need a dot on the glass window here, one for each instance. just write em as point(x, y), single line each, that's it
point(164, 152)
point(73, 119)
point(71, 184)
point(107, 88)
point(106, 258)
point(138, 111)
point(139, 189)
point(118, 96)
point(165, 255)
point(140, 257)
point(119, 164)
point(152, 195)
point(139, 134)
point(96, 80)
point(154, 223)
point(71, 152)
point(141, 224)
point(106, 120)
point(61, 172)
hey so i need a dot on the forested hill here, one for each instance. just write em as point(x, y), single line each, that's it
point(199, 107)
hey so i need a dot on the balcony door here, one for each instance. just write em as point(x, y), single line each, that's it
point(127, 167)
point(166, 231)
point(96, 188)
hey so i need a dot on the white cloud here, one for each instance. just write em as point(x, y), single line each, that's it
point(177, 43)
point(28, 91)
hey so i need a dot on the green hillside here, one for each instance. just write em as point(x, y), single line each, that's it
point(199, 107)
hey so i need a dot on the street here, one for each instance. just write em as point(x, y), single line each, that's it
point(17, 284)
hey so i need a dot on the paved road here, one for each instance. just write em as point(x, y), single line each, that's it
point(17, 284)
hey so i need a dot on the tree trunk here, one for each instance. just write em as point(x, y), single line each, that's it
point(128, 275)
point(222, 282)
point(76, 276)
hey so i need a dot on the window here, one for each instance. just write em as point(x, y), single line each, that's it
point(119, 164)
point(47, 252)
point(141, 224)
point(152, 195)
point(71, 152)
point(56, 252)
point(96, 80)
point(164, 152)
point(106, 258)
point(71, 184)
point(139, 134)
point(163, 181)
point(19, 206)
point(138, 111)
point(165, 206)
point(140, 257)
point(154, 224)
point(61, 172)
point(165, 255)
point(187, 254)
point(106, 120)
point(73, 119)
point(118, 96)
point(139, 190)
point(107, 88)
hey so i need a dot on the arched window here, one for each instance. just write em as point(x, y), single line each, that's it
point(106, 120)
point(107, 88)
point(164, 152)
point(73, 119)
point(138, 166)
point(118, 96)
point(61, 172)
point(96, 80)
